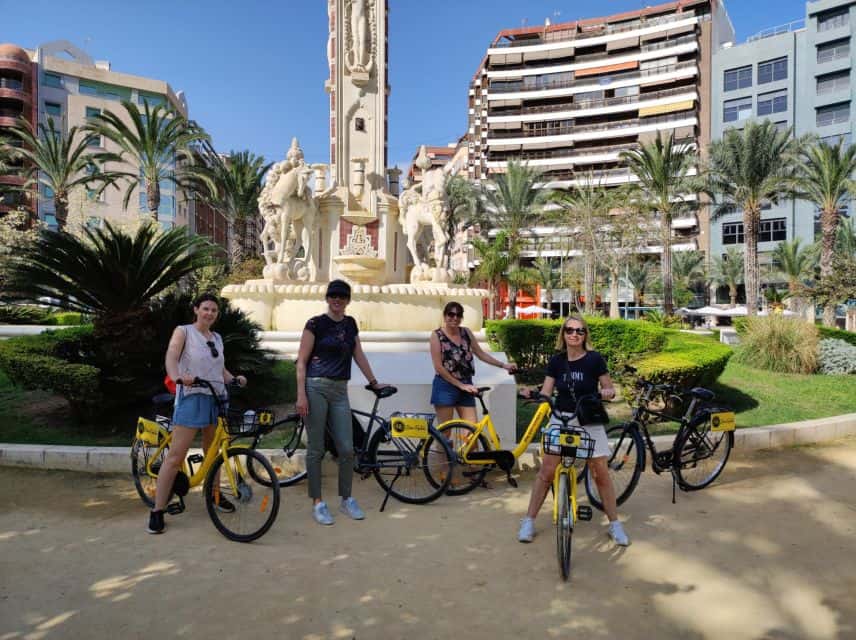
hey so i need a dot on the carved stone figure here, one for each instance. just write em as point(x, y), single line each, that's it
point(425, 205)
point(360, 37)
point(289, 209)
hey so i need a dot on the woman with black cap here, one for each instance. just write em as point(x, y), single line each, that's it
point(328, 344)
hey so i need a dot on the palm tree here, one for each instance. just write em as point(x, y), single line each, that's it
point(638, 276)
point(748, 170)
point(59, 161)
point(239, 179)
point(546, 277)
point(514, 204)
point(663, 169)
point(585, 209)
point(687, 268)
point(464, 207)
point(157, 144)
point(728, 271)
point(846, 240)
point(493, 262)
point(794, 263)
point(826, 180)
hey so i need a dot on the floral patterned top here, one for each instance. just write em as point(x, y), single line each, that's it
point(457, 358)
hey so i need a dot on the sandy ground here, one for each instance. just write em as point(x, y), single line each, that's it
point(767, 552)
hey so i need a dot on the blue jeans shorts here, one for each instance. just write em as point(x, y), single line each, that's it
point(444, 394)
point(195, 410)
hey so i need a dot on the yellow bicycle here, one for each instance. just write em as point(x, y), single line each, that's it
point(236, 472)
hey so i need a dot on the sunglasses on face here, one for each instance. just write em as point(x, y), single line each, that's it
point(339, 296)
point(574, 330)
point(213, 347)
point(454, 314)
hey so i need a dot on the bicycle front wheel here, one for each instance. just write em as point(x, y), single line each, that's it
point(564, 526)
point(465, 477)
point(289, 459)
point(412, 470)
point(145, 456)
point(701, 456)
point(242, 504)
point(625, 462)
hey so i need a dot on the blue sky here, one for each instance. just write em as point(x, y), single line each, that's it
point(254, 70)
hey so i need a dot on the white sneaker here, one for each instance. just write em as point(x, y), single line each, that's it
point(322, 514)
point(351, 509)
point(616, 532)
point(527, 529)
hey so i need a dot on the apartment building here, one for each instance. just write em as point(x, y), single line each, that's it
point(18, 97)
point(569, 98)
point(71, 88)
point(797, 75)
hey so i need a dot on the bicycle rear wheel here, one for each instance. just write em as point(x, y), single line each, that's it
point(289, 458)
point(465, 477)
point(626, 461)
point(564, 526)
point(413, 470)
point(251, 503)
point(702, 455)
point(143, 457)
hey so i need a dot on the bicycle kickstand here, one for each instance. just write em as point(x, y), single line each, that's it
point(389, 488)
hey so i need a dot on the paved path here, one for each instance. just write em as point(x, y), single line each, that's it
point(767, 552)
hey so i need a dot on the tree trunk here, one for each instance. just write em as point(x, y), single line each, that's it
point(666, 259)
point(732, 295)
point(613, 295)
point(588, 282)
point(750, 269)
point(491, 299)
point(61, 210)
point(153, 198)
point(237, 234)
point(828, 230)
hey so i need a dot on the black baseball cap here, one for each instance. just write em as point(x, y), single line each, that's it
point(338, 288)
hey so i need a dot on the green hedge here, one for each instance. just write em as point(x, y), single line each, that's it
point(687, 360)
point(52, 361)
point(530, 343)
point(837, 334)
point(32, 314)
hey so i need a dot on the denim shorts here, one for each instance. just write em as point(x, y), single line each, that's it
point(444, 394)
point(195, 410)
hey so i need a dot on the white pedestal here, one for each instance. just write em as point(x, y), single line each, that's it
point(412, 373)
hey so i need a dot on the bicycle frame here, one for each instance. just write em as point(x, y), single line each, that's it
point(572, 489)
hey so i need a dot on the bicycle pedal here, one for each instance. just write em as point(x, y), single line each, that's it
point(584, 512)
point(175, 508)
point(195, 458)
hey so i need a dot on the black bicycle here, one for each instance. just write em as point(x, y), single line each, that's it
point(699, 450)
point(405, 453)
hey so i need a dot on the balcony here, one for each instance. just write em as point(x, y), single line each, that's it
point(567, 154)
point(587, 83)
point(9, 62)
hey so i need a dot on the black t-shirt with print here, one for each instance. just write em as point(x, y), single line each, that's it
point(334, 347)
point(575, 378)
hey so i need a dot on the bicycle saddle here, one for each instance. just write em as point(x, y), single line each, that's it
point(702, 394)
point(383, 392)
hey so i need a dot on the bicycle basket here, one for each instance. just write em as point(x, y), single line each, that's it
point(248, 423)
point(568, 443)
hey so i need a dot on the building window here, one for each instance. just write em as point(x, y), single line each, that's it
point(52, 80)
point(774, 230)
point(93, 222)
point(47, 192)
point(733, 110)
point(833, 114)
point(105, 91)
point(833, 82)
point(50, 221)
point(621, 92)
point(739, 78)
point(843, 138)
point(833, 50)
point(732, 233)
point(773, 70)
point(53, 109)
point(833, 19)
point(774, 102)
point(151, 99)
point(781, 126)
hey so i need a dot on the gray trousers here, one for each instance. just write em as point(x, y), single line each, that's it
point(329, 408)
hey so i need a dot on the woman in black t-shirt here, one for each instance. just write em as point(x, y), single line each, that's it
point(573, 372)
point(328, 344)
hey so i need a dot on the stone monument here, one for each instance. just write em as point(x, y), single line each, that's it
point(346, 219)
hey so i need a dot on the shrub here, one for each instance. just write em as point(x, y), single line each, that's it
point(67, 318)
point(739, 325)
point(23, 314)
point(837, 334)
point(530, 343)
point(836, 357)
point(777, 343)
point(658, 318)
point(687, 360)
